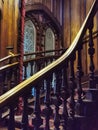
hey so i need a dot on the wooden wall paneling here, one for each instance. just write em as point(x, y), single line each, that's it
point(9, 34)
point(75, 18)
point(88, 6)
point(67, 23)
point(75, 22)
point(84, 50)
point(48, 4)
point(58, 9)
point(97, 38)
point(54, 7)
point(4, 34)
point(61, 12)
point(16, 17)
point(96, 42)
point(1, 9)
point(10, 23)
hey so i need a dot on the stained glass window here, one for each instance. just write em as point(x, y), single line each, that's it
point(29, 42)
point(49, 41)
point(29, 37)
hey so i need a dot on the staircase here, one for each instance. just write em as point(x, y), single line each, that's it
point(61, 101)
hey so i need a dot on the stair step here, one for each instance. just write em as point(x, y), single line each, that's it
point(91, 93)
point(85, 108)
point(84, 123)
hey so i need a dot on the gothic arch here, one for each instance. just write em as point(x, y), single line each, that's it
point(43, 20)
point(40, 8)
point(29, 37)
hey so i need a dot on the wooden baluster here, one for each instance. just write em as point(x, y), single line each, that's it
point(4, 81)
point(37, 121)
point(25, 113)
point(79, 105)
point(1, 90)
point(31, 73)
point(57, 100)
point(46, 62)
point(36, 69)
point(91, 52)
point(42, 82)
point(9, 77)
point(65, 95)
point(12, 78)
point(38, 65)
point(1, 83)
point(11, 124)
point(51, 60)
point(25, 71)
point(72, 87)
point(48, 110)
point(7, 81)
point(16, 73)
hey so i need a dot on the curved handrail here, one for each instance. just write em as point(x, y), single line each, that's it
point(8, 66)
point(36, 77)
point(44, 52)
point(94, 35)
point(9, 57)
point(41, 58)
point(5, 58)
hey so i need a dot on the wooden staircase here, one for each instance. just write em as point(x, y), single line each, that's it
point(88, 120)
point(64, 104)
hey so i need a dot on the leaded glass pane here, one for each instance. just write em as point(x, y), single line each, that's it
point(49, 41)
point(29, 37)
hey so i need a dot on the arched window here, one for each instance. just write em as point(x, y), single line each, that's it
point(49, 41)
point(29, 37)
point(29, 42)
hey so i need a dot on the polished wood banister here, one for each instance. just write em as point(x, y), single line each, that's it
point(5, 58)
point(44, 52)
point(86, 38)
point(8, 66)
point(8, 57)
point(5, 98)
point(41, 58)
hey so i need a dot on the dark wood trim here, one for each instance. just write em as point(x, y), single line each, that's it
point(41, 8)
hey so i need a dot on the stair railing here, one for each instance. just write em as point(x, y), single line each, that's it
point(8, 72)
point(62, 68)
